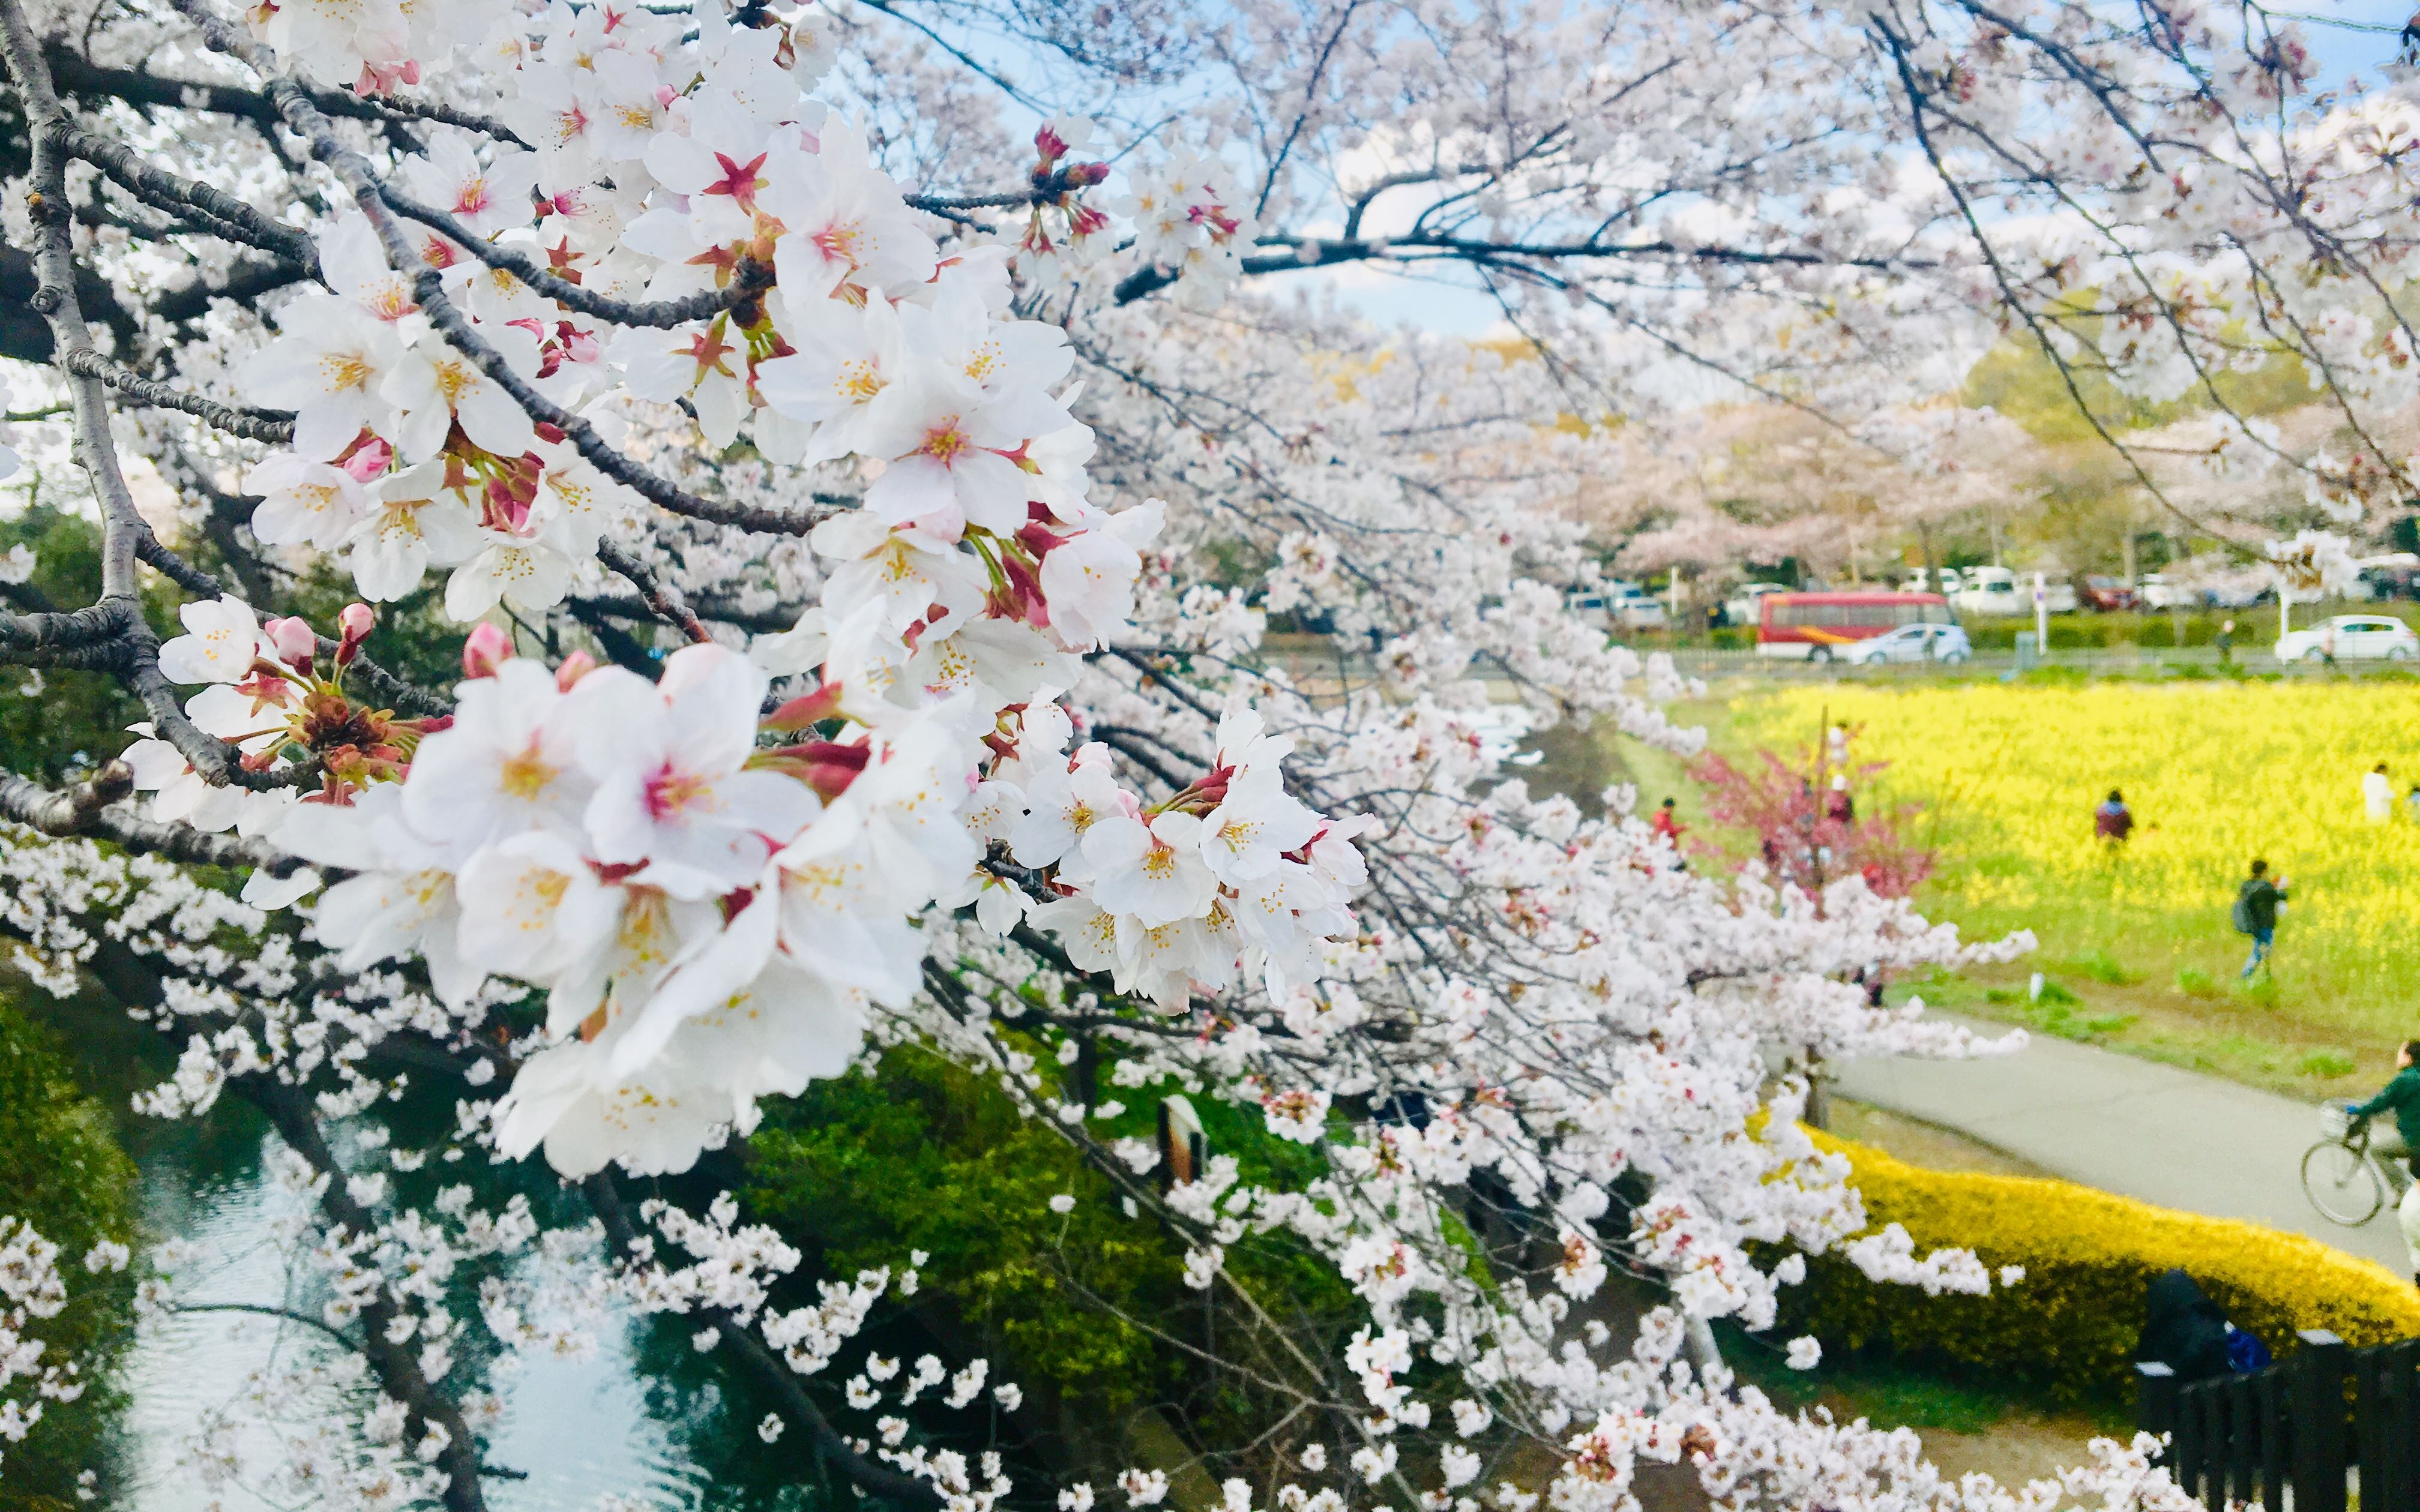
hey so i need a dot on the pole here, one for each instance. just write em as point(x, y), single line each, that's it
point(2285, 597)
point(2041, 618)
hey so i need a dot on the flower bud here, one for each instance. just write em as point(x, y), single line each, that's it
point(295, 641)
point(366, 458)
point(487, 648)
point(575, 667)
point(355, 624)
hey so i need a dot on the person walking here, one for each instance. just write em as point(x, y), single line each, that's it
point(1667, 824)
point(2401, 1097)
point(2256, 913)
point(2377, 796)
point(2113, 821)
point(2226, 642)
point(2411, 804)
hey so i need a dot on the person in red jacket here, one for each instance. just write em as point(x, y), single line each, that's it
point(2113, 821)
point(1666, 825)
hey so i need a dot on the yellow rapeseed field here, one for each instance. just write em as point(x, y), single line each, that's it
point(2216, 773)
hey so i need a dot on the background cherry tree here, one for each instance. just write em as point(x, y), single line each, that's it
point(857, 451)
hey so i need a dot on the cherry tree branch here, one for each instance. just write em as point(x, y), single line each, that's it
point(90, 809)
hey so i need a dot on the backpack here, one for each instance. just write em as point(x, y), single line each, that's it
point(2245, 1353)
point(2242, 914)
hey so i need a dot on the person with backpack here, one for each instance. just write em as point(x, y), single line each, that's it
point(2112, 822)
point(2256, 913)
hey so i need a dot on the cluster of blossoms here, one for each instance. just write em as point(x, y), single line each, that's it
point(31, 1291)
point(709, 918)
point(265, 694)
point(1190, 219)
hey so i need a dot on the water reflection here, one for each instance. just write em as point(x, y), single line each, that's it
point(580, 1430)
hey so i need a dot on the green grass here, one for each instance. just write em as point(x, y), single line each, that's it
point(2325, 1063)
point(1921, 1397)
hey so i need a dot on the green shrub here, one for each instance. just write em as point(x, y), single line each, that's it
point(921, 1155)
point(2194, 982)
point(2325, 1063)
point(62, 1170)
point(2069, 1327)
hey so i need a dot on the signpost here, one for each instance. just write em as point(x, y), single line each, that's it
point(2041, 616)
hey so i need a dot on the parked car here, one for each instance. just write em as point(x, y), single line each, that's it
point(2159, 590)
point(1999, 591)
point(2350, 638)
point(1590, 609)
point(2109, 595)
point(1945, 582)
point(1911, 643)
point(1992, 590)
point(1741, 608)
point(1635, 611)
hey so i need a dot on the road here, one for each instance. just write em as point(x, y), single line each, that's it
point(2143, 1130)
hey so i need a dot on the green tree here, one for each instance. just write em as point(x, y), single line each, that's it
point(63, 1171)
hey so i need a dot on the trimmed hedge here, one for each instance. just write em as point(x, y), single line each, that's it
point(2069, 1326)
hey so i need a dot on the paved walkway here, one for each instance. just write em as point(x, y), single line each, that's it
point(2134, 1127)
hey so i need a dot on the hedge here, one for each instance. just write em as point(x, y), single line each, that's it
point(2069, 1326)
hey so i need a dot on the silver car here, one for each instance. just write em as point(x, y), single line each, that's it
point(1946, 643)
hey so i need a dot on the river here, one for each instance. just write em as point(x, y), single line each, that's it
point(642, 1418)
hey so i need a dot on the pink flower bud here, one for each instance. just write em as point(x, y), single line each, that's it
point(295, 642)
point(368, 459)
point(575, 667)
point(353, 625)
point(487, 648)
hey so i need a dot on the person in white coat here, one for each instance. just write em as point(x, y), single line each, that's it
point(2378, 795)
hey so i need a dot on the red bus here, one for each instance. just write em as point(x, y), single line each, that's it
point(1808, 626)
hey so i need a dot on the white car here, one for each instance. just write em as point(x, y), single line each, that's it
point(2159, 590)
point(2350, 638)
point(1994, 591)
point(1743, 607)
point(1910, 642)
point(1636, 611)
point(1947, 582)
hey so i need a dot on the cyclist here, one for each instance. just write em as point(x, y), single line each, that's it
point(2402, 1096)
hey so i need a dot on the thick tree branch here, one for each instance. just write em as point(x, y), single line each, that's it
point(90, 809)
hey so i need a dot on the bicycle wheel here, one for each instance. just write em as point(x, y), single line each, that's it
point(2341, 1183)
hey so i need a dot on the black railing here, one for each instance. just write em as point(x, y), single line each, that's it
point(2295, 1428)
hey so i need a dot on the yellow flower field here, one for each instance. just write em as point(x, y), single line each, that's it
point(2216, 774)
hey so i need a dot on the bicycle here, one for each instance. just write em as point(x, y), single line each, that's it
point(2346, 1179)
